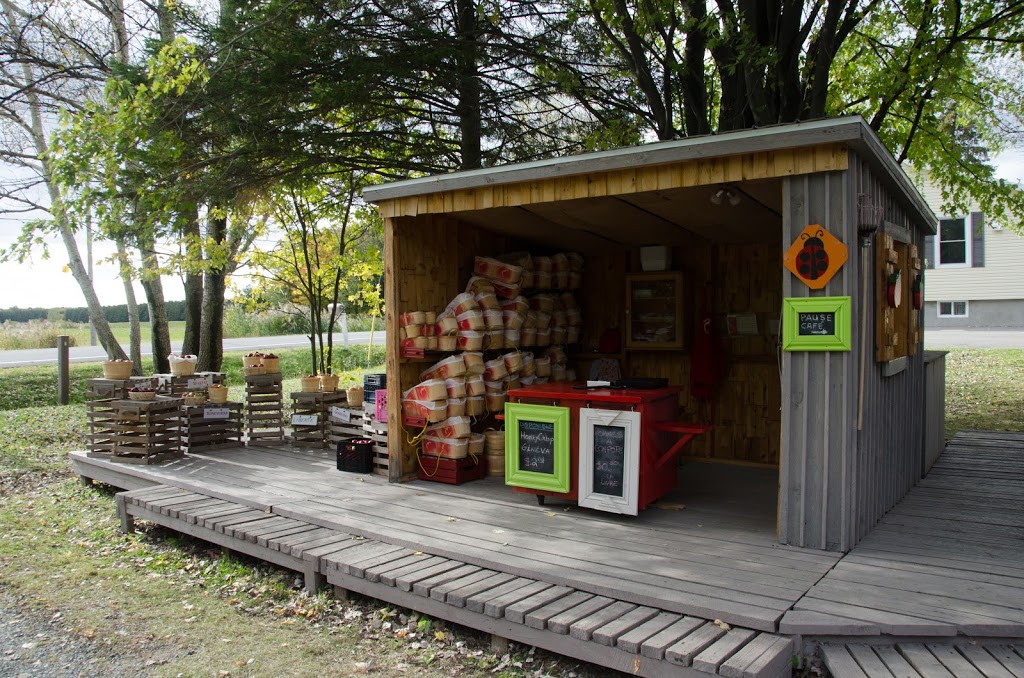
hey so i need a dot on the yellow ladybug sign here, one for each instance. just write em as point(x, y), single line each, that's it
point(815, 256)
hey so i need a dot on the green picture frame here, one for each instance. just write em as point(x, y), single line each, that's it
point(817, 324)
point(543, 433)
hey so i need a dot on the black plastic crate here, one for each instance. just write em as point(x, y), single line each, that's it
point(355, 455)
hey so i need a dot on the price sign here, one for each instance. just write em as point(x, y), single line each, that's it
point(195, 383)
point(341, 414)
point(305, 419)
point(537, 446)
point(216, 412)
point(609, 459)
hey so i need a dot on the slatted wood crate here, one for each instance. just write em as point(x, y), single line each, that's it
point(199, 432)
point(136, 432)
point(317, 404)
point(168, 384)
point(264, 407)
point(356, 427)
point(100, 392)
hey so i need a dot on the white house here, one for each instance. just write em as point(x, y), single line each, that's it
point(974, 276)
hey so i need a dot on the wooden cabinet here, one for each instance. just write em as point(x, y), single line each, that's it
point(654, 310)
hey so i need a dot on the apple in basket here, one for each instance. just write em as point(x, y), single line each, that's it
point(140, 389)
point(271, 356)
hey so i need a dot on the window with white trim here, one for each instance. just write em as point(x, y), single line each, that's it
point(953, 244)
point(952, 309)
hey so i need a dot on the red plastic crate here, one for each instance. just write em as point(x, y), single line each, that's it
point(451, 471)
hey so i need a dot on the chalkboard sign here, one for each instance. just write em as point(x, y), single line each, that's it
point(536, 446)
point(816, 324)
point(609, 459)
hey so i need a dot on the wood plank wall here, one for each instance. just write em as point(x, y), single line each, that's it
point(819, 388)
point(890, 444)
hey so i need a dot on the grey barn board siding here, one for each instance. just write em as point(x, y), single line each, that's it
point(818, 388)
point(889, 446)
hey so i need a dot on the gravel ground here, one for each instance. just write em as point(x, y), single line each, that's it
point(31, 645)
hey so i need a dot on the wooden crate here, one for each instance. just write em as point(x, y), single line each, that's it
point(199, 433)
point(168, 384)
point(338, 430)
point(136, 432)
point(317, 404)
point(450, 471)
point(264, 407)
point(100, 392)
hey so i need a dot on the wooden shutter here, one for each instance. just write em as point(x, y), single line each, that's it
point(977, 239)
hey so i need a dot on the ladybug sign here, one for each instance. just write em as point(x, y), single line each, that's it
point(815, 256)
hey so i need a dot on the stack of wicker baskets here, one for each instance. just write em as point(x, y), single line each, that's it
point(494, 445)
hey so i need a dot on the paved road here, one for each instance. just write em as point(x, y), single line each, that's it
point(973, 339)
point(83, 354)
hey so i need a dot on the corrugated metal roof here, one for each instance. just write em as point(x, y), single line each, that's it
point(852, 130)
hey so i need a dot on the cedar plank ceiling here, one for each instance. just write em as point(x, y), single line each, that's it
point(682, 216)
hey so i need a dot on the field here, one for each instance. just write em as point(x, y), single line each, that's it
point(164, 604)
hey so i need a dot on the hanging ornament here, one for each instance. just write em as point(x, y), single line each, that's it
point(895, 288)
point(918, 289)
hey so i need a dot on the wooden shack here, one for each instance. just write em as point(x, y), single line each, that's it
point(839, 416)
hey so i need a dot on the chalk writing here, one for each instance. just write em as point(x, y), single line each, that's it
point(609, 459)
point(537, 446)
point(816, 324)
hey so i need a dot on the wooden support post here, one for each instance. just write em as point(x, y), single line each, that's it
point(63, 370)
point(127, 520)
point(499, 645)
point(314, 581)
point(341, 593)
point(86, 482)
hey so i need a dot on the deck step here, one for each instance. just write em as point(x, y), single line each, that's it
point(637, 639)
point(952, 658)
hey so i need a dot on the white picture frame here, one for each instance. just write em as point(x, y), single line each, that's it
point(598, 423)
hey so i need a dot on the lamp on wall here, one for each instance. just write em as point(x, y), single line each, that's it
point(869, 217)
point(723, 195)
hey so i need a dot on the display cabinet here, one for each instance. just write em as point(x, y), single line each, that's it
point(654, 311)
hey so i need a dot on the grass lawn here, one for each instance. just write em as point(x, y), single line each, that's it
point(122, 332)
point(984, 390)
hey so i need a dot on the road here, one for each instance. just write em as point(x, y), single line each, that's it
point(84, 354)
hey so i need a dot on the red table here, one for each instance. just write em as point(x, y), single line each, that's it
point(662, 436)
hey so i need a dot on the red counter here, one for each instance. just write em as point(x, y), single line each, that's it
point(662, 436)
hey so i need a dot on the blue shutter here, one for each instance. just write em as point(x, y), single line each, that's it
point(977, 239)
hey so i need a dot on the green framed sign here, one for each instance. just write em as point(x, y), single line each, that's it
point(816, 324)
point(537, 447)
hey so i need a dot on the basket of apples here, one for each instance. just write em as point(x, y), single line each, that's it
point(141, 393)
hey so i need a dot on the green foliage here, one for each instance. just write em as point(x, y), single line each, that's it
point(80, 314)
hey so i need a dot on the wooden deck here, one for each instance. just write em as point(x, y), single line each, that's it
point(948, 560)
point(946, 564)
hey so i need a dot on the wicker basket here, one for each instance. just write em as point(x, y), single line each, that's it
point(254, 370)
point(217, 394)
point(271, 365)
point(310, 384)
point(250, 360)
point(182, 367)
point(195, 400)
point(142, 395)
point(328, 382)
point(117, 369)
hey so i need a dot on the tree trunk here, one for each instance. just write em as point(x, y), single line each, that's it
point(160, 334)
point(193, 288)
point(468, 107)
point(211, 329)
point(134, 329)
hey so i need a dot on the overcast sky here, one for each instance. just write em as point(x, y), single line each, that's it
point(45, 283)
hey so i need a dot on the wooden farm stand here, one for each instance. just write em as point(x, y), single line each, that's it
point(728, 210)
point(137, 432)
point(264, 408)
point(100, 392)
point(360, 424)
point(169, 384)
point(200, 433)
point(317, 404)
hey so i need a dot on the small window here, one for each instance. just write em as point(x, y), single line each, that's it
point(953, 246)
point(952, 309)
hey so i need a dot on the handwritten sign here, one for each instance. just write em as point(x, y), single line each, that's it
point(216, 412)
point(341, 414)
point(816, 324)
point(198, 383)
point(609, 459)
point(305, 419)
point(537, 446)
